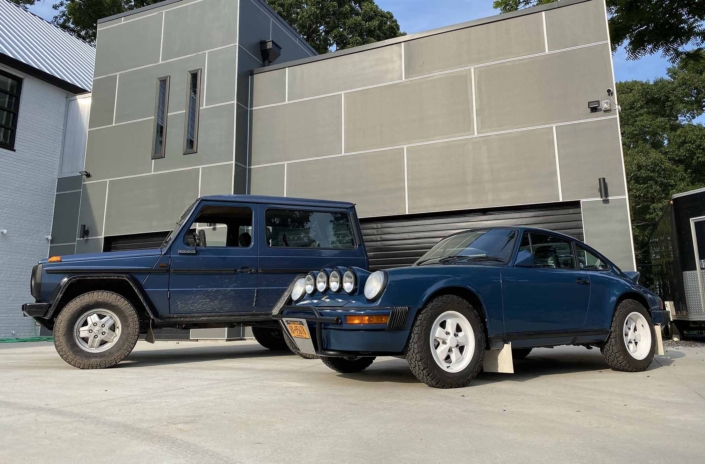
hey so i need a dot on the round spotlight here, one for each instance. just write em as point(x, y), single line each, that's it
point(322, 281)
point(349, 281)
point(334, 281)
point(299, 290)
point(310, 284)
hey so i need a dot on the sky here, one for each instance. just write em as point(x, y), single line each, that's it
point(423, 15)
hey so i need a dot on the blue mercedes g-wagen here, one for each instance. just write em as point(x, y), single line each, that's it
point(227, 262)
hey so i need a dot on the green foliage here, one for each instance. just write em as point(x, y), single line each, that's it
point(24, 3)
point(664, 151)
point(675, 28)
point(80, 17)
point(338, 24)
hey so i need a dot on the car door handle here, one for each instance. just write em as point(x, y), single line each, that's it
point(246, 270)
point(582, 281)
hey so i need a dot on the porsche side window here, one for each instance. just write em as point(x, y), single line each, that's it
point(589, 262)
point(551, 252)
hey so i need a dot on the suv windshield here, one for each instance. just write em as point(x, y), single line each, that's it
point(184, 216)
point(494, 245)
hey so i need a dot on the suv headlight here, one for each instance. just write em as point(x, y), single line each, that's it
point(322, 281)
point(375, 285)
point(310, 284)
point(349, 281)
point(299, 290)
point(334, 281)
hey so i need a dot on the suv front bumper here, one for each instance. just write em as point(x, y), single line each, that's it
point(35, 309)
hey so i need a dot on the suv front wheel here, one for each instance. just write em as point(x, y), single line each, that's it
point(96, 330)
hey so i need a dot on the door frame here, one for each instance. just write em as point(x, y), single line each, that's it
point(698, 267)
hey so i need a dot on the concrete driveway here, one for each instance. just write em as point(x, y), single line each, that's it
point(236, 402)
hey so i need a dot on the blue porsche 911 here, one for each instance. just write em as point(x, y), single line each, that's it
point(479, 296)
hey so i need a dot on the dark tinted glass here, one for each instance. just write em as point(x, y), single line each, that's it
point(192, 105)
point(308, 229)
point(160, 118)
point(8, 102)
point(5, 135)
point(6, 118)
point(8, 84)
point(552, 252)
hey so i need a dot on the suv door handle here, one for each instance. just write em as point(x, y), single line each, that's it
point(580, 281)
point(246, 270)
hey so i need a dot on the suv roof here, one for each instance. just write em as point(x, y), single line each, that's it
point(279, 200)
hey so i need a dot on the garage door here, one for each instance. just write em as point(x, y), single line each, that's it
point(134, 242)
point(401, 240)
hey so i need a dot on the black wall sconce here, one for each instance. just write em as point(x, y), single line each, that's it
point(270, 51)
point(84, 232)
point(604, 191)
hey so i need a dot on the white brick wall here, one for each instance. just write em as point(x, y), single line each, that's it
point(27, 188)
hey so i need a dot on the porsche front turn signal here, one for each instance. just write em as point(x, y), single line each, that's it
point(54, 259)
point(366, 320)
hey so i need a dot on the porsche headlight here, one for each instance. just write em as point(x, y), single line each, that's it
point(299, 290)
point(322, 281)
point(375, 285)
point(310, 284)
point(334, 281)
point(349, 281)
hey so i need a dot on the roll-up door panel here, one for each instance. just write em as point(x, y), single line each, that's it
point(401, 240)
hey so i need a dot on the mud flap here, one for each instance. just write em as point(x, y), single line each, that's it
point(149, 338)
point(499, 361)
point(659, 340)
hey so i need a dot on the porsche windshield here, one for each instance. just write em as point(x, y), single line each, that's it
point(486, 246)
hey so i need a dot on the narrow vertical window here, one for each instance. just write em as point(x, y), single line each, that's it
point(193, 103)
point(10, 89)
point(160, 118)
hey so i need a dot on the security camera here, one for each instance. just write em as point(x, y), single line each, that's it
point(610, 92)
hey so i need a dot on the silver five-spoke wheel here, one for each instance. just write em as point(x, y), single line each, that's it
point(97, 330)
point(452, 341)
point(637, 336)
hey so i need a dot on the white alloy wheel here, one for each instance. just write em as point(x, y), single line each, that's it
point(97, 331)
point(637, 336)
point(452, 341)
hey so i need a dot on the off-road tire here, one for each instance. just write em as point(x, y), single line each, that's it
point(348, 365)
point(520, 353)
point(615, 351)
point(272, 339)
point(64, 337)
point(418, 353)
point(292, 346)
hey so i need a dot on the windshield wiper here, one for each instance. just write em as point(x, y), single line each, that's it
point(455, 259)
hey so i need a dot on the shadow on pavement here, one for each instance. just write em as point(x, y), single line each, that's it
point(198, 353)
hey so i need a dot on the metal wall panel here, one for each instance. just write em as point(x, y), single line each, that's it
point(400, 241)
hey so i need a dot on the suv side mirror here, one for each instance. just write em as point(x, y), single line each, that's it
point(524, 259)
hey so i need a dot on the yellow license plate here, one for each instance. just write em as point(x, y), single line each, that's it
point(297, 330)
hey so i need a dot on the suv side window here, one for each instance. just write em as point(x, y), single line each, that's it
point(221, 226)
point(589, 262)
point(308, 229)
point(550, 252)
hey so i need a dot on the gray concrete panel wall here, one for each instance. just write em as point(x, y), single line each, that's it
point(489, 114)
point(508, 169)
point(376, 181)
point(130, 211)
point(608, 229)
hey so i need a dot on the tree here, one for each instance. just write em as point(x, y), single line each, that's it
point(338, 24)
point(24, 3)
point(675, 28)
point(664, 150)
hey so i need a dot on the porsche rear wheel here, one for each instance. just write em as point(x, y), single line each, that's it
point(630, 346)
point(348, 365)
point(447, 343)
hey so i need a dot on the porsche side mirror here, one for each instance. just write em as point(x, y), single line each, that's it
point(524, 259)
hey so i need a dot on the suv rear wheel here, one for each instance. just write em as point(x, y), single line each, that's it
point(272, 339)
point(96, 330)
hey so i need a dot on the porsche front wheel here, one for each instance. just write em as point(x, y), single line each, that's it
point(630, 346)
point(447, 343)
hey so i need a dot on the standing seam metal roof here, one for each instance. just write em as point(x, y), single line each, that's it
point(43, 46)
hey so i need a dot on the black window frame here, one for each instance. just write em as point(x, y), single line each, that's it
point(313, 210)
point(162, 152)
point(199, 89)
point(16, 113)
point(573, 250)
